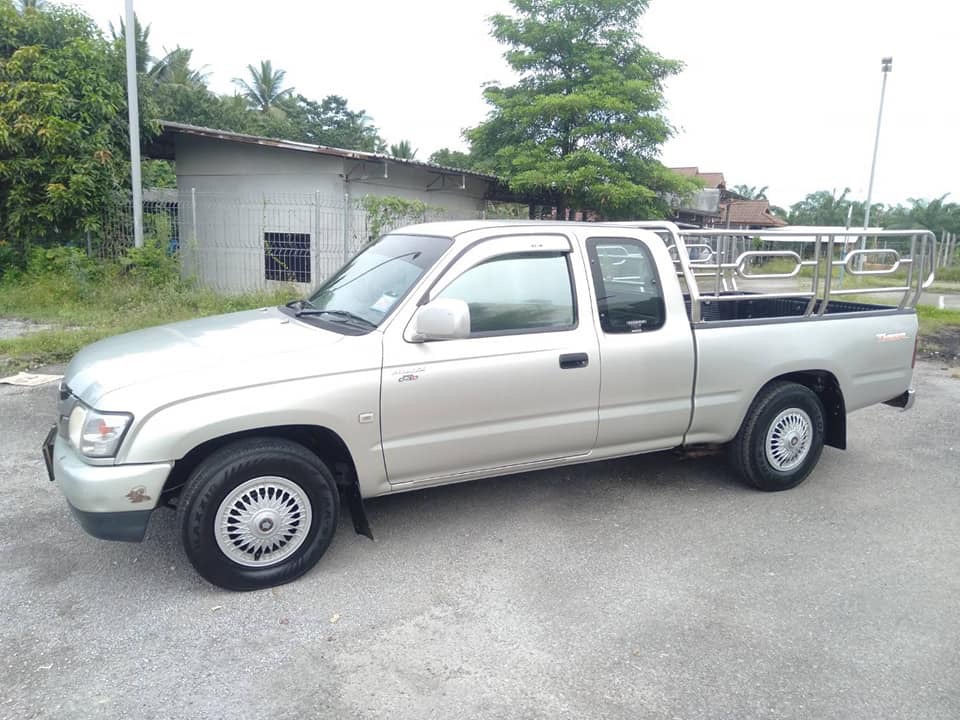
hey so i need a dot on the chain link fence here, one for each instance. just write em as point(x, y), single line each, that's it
point(239, 243)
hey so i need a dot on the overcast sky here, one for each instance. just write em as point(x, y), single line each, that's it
point(781, 93)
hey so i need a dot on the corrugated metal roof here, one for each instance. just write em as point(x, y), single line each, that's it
point(229, 136)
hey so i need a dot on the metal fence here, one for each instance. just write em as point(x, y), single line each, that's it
point(237, 243)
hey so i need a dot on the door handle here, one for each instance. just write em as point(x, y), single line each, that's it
point(569, 361)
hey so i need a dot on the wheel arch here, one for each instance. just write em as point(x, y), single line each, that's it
point(322, 441)
point(826, 387)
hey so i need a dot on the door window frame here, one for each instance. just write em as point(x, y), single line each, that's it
point(443, 282)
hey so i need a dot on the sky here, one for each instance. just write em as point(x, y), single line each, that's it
point(777, 93)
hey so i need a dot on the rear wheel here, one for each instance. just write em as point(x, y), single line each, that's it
point(258, 513)
point(781, 438)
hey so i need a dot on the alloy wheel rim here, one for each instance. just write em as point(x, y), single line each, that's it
point(788, 439)
point(263, 521)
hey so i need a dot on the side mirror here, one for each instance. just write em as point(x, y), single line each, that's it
point(443, 319)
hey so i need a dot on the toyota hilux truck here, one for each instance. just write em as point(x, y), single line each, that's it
point(457, 351)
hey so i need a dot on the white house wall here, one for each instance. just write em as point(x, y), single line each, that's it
point(243, 191)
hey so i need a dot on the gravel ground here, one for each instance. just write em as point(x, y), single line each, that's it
point(650, 587)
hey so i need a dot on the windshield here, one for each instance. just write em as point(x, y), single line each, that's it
point(369, 286)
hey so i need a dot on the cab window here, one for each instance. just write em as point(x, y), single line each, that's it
point(629, 294)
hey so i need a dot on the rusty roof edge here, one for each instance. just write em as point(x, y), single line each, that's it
point(361, 155)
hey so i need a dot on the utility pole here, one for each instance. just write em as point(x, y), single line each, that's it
point(886, 65)
point(134, 117)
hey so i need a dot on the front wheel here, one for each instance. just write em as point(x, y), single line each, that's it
point(781, 438)
point(258, 513)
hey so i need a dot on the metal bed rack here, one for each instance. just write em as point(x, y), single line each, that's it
point(720, 260)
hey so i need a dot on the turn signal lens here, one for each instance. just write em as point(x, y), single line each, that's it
point(102, 433)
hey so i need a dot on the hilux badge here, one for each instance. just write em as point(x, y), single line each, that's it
point(892, 337)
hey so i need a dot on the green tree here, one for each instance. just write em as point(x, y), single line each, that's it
point(174, 69)
point(141, 43)
point(826, 207)
point(584, 124)
point(454, 159)
point(62, 124)
point(937, 215)
point(403, 150)
point(264, 90)
point(180, 93)
point(750, 192)
point(331, 122)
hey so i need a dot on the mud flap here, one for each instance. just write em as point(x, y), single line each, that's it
point(350, 493)
point(357, 511)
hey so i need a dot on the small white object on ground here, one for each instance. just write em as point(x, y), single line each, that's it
point(29, 379)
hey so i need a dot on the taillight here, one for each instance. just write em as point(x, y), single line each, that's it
point(913, 362)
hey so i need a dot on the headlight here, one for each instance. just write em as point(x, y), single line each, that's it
point(96, 434)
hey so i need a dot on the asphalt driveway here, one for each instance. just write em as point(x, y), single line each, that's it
point(647, 587)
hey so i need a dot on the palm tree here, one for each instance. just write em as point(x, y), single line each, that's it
point(403, 150)
point(824, 207)
point(174, 69)
point(141, 41)
point(750, 192)
point(265, 89)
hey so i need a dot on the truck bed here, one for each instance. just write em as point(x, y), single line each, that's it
point(768, 308)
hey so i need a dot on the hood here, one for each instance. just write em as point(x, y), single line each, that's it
point(216, 352)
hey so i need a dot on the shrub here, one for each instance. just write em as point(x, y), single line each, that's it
point(151, 263)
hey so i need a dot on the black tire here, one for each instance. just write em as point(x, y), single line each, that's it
point(301, 485)
point(786, 405)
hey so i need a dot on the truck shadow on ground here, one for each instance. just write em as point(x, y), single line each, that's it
point(568, 491)
point(614, 491)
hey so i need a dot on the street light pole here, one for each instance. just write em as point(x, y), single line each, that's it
point(886, 65)
point(134, 118)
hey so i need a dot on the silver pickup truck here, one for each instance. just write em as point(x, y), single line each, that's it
point(448, 352)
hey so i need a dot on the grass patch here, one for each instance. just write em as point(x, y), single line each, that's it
point(842, 279)
point(950, 274)
point(934, 320)
point(86, 307)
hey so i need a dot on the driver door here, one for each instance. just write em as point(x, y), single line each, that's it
point(521, 389)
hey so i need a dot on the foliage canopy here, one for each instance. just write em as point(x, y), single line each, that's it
point(62, 125)
point(584, 124)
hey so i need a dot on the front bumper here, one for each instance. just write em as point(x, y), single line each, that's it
point(904, 400)
point(128, 526)
point(112, 502)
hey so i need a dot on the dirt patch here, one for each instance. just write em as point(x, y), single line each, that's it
point(941, 346)
point(10, 329)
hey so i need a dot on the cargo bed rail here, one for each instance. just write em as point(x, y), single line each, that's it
point(717, 264)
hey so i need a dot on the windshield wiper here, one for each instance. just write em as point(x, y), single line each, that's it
point(345, 315)
point(298, 305)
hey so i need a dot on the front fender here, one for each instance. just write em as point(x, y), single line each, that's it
point(346, 403)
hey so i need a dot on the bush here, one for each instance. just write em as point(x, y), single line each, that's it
point(151, 263)
point(11, 263)
point(65, 262)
